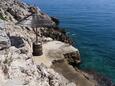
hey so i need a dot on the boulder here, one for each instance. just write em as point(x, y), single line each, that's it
point(2, 24)
point(4, 40)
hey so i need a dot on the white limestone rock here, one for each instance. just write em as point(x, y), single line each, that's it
point(4, 40)
point(17, 67)
point(2, 24)
point(16, 70)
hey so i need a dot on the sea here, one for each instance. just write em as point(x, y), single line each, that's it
point(91, 25)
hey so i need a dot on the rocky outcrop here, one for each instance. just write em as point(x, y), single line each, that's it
point(57, 50)
point(73, 58)
point(18, 69)
point(57, 34)
point(55, 20)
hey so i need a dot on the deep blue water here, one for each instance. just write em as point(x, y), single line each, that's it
point(91, 24)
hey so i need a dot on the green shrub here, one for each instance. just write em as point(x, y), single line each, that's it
point(1, 17)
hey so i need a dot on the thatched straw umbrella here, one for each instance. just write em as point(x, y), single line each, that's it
point(38, 20)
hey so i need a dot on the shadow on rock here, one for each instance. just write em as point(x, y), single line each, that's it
point(17, 41)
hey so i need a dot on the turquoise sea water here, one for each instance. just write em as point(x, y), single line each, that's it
point(91, 24)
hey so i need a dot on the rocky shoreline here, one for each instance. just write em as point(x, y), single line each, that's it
point(58, 66)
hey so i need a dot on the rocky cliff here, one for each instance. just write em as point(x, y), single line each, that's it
point(18, 67)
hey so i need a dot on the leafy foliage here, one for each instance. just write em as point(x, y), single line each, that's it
point(1, 17)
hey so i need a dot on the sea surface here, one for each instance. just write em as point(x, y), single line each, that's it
point(91, 24)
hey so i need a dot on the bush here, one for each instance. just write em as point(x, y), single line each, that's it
point(1, 17)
